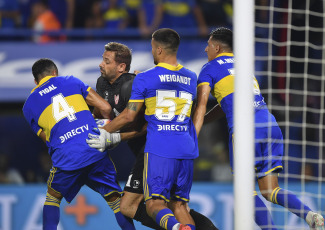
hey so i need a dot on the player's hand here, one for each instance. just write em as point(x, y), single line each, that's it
point(104, 140)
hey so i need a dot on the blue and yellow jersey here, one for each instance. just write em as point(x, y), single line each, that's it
point(168, 93)
point(219, 75)
point(57, 106)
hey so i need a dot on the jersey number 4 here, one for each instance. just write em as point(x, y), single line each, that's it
point(167, 104)
point(61, 109)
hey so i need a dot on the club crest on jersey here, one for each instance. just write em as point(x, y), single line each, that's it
point(106, 95)
point(116, 98)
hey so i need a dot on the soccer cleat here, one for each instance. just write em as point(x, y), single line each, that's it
point(184, 227)
point(315, 221)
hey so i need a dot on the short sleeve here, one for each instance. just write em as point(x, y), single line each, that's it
point(205, 76)
point(138, 89)
point(84, 88)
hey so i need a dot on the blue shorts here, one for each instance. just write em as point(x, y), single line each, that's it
point(100, 176)
point(268, 150)
point(167, 178)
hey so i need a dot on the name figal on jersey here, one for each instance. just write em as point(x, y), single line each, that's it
point(175, 78)
point(47, 90)
point(177, 128)
point(73, 132)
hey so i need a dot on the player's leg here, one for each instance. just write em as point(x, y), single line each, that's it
point(270, 189)
point(268, 177)
point(113, 200)
point(158, 178)
point(201, 222)
point(262, 215)
point(51, 210)
point(102, 178)
point(133, 206)
point(130, 203)
point(60, 184)
point(179, 208)
point(181, 192)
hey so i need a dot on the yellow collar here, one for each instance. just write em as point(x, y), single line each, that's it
point(45, 79)
point(225, 54)
point(170, 67)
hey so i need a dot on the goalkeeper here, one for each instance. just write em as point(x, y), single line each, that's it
point(217, 76)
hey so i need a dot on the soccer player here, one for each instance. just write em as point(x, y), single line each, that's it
point(115, 85)
point(58, 113)
point(167, 91)
point(217, 76)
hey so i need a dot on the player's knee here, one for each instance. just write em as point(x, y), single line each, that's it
point(54, 193)
point(125, 208)
point(266, 194)
point(177, 206)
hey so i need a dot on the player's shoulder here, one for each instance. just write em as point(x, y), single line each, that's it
point(100, 80)
point(127, 78)
point(188, 72)
point(148, 71)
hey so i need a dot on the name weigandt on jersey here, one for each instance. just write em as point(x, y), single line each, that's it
point(175, 78)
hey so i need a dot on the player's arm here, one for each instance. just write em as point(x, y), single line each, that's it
point(102, 108)
point(139, 127)
point(128, 115)
point(203, 92)
point(108, 136)
point(133, 134)
point(42, 135)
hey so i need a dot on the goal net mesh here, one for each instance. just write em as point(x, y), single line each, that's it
point(290, 68)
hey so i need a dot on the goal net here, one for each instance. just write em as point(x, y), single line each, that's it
point(290, 68)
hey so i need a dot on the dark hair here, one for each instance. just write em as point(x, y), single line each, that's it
point(122, 53)
point(223, 35)
point(42, 68)
point(168, 38)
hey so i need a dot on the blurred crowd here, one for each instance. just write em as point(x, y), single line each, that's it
point(144, 15)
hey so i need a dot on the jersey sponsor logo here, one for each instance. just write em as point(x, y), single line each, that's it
point(47, 90)
point(175, 78)
point(177, 128)
point(74, 132)
point(116, 98)
point(106, 96)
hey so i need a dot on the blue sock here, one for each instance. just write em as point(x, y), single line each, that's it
point(192, 226)
point(124, 222)
point(166, 219)
point(262, 216)
point(51, 213)
point(290, 201)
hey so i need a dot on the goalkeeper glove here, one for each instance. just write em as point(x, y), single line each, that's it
point(103, 141)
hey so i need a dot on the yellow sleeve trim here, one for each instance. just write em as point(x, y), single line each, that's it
point(203, 83)
point(39, 132)
point(89, 88)
point(142, 100)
